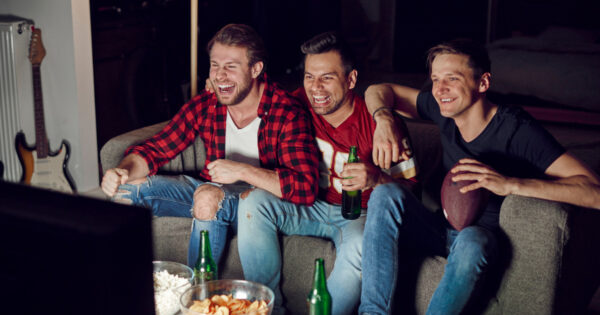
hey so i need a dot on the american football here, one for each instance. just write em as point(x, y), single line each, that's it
point(461, 209)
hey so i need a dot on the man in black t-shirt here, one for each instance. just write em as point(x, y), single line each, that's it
point(502, 148)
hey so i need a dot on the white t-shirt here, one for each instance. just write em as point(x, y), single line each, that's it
point(241, 145)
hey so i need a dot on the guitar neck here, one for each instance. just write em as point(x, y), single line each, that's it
point(41, 140)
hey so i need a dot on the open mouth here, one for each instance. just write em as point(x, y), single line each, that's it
point(446, 100)
point(225, 88)
point(321, 100)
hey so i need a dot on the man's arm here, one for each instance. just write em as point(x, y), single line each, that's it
point(381, 99)
point(133, 167)
point(364, 175)
point(402, 99)
point(573, 182)
point(228, 172)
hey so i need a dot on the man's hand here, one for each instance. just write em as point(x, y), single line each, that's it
point(225, 171)
point(385, 140)
point(208, 86)
point(112, 179)
point(360, 176)
point(485, 177)
point(206, 201)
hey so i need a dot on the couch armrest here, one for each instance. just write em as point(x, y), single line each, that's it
point(190, 160)
point(537, 232)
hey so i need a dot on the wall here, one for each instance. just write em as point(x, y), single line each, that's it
point(67, 81)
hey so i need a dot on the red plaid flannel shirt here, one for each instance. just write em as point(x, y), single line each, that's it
point(285, 140)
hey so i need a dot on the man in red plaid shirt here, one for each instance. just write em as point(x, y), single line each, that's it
point(254, 135)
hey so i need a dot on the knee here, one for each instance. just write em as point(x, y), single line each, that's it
point(386, 205)
point(476, 248)
point(256, 203)
point(126, 194)
point(388, 191)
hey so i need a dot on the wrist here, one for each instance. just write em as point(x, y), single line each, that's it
point(382, 113)
point(514, 186)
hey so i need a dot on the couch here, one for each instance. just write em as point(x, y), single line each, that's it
point(550, 264)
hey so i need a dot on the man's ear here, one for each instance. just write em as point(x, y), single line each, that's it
point(352, 77)
point(484, 82)
point(256, 69)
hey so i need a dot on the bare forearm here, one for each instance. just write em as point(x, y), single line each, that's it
point(396, 97)
point(135, 165)
point(577, 190)
point(377, 96)
point(262, 178)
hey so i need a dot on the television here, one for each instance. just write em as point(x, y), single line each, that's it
point(69, 254)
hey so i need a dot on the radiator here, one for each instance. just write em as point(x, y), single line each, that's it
point(15, 89)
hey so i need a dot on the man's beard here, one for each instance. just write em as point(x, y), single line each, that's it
point(244, 90)
point(326, 111)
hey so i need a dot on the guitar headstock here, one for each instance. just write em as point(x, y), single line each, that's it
point(37, 52)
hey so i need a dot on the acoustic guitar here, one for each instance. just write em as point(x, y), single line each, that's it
point(41, 167)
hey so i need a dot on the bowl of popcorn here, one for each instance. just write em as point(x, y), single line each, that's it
point(171, 279)
point(231, 297)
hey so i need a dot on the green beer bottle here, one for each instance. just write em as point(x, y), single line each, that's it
point(319, 299)
point(205, 268)
point(351, 199)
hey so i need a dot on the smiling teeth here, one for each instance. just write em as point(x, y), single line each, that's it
point(321, 99)
point(446, 99)
point(225, 86)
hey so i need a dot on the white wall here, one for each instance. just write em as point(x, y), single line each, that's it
point(67, 81)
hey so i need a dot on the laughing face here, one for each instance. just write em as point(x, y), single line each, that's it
point(230, 74)
point(326, 83)
point(454, 86)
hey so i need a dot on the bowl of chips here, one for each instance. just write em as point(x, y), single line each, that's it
point(233, 297)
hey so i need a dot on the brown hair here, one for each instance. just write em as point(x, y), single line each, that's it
point(479, 61)
point(241, 35)
point(326, 42)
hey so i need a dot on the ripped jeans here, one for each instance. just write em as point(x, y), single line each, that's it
point(174, 196)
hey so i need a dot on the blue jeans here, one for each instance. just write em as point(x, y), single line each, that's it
point(173, 196)
point(397, 217)
point(262, 215)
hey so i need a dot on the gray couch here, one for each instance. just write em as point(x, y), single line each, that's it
point(550, 263)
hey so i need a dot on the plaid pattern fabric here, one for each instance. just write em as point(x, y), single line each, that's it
point(285, 139)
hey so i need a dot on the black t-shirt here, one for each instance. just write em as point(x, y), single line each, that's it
point(513, 143)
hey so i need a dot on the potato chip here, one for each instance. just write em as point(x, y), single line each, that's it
point(227, 305)
point(201, 306)
point(222, 310)
point(220, 300)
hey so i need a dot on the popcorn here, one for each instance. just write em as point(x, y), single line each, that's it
point(167, 289)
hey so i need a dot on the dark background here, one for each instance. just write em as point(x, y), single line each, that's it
point(141, 48)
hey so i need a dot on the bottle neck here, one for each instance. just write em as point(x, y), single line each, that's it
point(353, 155)
point(319, 281)
point(205, 251)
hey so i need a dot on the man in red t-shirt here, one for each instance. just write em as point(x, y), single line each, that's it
point(340, 119)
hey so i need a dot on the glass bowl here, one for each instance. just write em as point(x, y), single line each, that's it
point(239, 289)
point(174, 268)
point(168, 287)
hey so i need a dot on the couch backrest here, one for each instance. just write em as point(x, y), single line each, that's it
point(190, 160)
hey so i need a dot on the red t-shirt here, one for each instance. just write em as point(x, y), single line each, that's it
point(334, 144)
